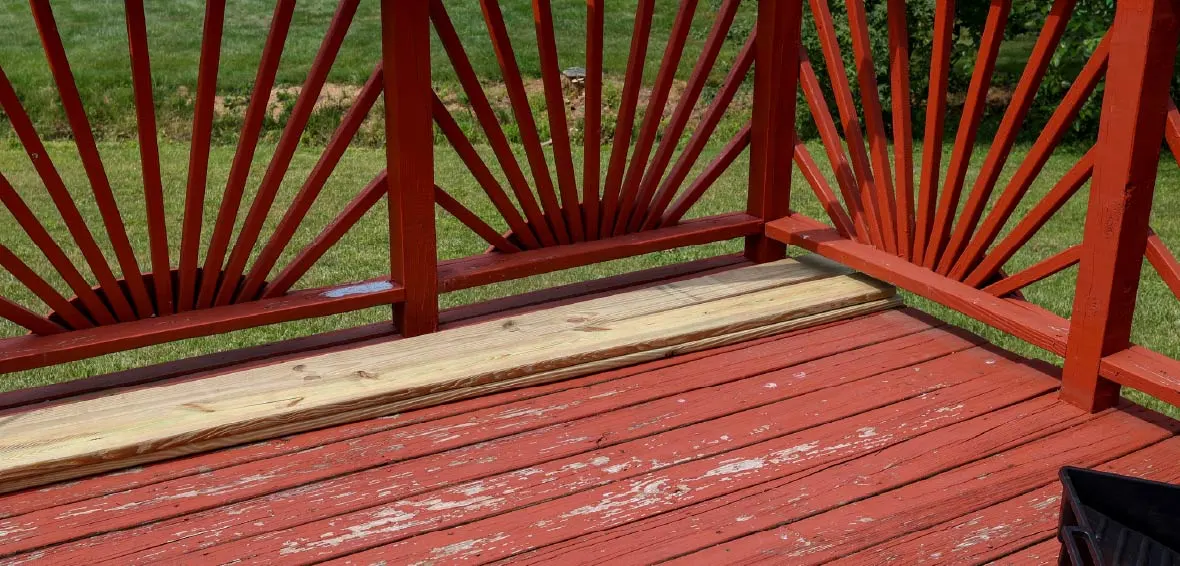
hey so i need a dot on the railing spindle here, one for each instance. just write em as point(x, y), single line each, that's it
point(1134, 112)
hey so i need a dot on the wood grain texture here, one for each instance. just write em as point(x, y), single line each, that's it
point(869, 329)
point(1020, 522)
point(146, 425)
point(904, 412)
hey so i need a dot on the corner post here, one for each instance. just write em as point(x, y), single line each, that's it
point(409, 153)
point(1143, 48)
point(772, 131)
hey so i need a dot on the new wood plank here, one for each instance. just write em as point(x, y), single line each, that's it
point(1015, 524)
point(871, 328)
point(855, 349)
point(152, 424)
point(944, 392)
point(839, 532)
point(687, 424)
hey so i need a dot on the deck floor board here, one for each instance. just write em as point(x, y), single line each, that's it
point(888, 438)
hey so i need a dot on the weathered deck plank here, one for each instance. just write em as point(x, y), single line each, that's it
point(150, 424)
point(704, 458)
point(879, 344)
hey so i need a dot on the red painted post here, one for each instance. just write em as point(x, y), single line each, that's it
point(1143, 48)
point(409, 151)
point(772, 143)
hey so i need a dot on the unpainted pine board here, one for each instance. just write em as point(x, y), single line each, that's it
point(1042, 553)
point(158, 423)
point(853, 527)
point(858, 345)
point(691, 410)
point(1007, 527)
point(945, 393)
point(796, 496)
point(872, 327)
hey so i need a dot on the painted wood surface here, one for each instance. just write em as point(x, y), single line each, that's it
point(889, 416)
point(124, 429)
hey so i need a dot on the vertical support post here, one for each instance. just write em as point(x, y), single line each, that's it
point(409, 153)
point(772, 134)
point(1143, 49)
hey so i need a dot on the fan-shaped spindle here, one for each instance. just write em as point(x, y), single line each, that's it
point(239, 172)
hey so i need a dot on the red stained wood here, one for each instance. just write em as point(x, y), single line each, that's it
point(239, 172)
point(670, 137)
point(903, 135)
point(198, 163)
point(27, 319)
point(679, 395)
point(919, 505)
point(629, 99)
point(864, 216)
point(61, 263)
point(870, 98)
point(1042, 553)
point(1034, 162)
point(973, 107)
point(276, 170)
point(1048, 267)
point(409, 154)
point(484, 269)
point(356, 209)
point(1164, 262)
point(584, 400)
point(997, 154)
point(629, 192)
point(1025, 321)
point(1143, 47)
point(1066, 187)
point(592, 120)
point(526, 125)
point(100, 185)
point(772, 123)
point(846, 105)
point(950, 441)
point(1014, 524)
point(708, 176)
point(873, 328)
point(940, 65)
point(73, 318)
point(701, 135)
point(490, 123)
point(487, 181)
point(297, 211)
point(149, 155)
point(1150, 372)
point(558, 126)
point(27, 352)
point(646, 493)
point(823, 192)
point(200, 366)
point(472, 221)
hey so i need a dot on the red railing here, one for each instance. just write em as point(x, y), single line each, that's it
point(948, 244)
point(893, 214)
point(233, 275)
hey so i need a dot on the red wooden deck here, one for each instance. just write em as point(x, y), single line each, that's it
point(884, 438)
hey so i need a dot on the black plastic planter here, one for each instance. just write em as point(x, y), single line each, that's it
point(1108, 519)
